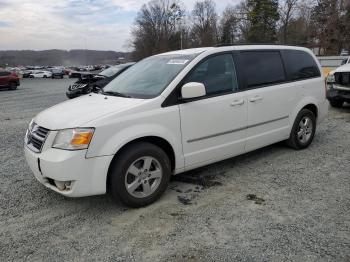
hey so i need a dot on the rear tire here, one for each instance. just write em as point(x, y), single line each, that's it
point(303, 130)
point(139, 175)
point(336, 103)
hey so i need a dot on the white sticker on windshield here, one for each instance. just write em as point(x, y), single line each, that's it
point(177, 62)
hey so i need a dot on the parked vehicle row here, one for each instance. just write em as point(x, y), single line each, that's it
point(57, 71)
point(172, 113)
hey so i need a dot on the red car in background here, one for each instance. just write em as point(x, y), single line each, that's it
point(9, 80)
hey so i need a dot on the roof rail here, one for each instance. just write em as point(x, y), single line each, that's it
point(223, 44)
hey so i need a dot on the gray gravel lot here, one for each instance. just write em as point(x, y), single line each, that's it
point(301, 211)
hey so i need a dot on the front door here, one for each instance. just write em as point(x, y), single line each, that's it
point(214, 127)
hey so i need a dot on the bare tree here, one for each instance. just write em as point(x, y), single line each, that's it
point(287, 11)
point(327, 21)
point(155, 28)
point(204, 28)
point(228, 28)
point(244, 24)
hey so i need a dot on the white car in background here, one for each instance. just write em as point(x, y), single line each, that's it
point(40, 74)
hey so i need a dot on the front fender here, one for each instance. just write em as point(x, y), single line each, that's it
point(109, 139)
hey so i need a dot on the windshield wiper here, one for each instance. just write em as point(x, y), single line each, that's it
point(113, 93)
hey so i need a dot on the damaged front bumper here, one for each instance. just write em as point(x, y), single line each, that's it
point(338, 93)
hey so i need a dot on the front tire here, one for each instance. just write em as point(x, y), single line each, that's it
point(303, 130)
point(139, 175)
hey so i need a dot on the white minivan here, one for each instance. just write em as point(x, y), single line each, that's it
point(174, 112)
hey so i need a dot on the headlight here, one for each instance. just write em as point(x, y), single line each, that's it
point(330, 79)
point(73, 139)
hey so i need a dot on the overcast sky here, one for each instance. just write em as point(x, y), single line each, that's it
point(72, 24)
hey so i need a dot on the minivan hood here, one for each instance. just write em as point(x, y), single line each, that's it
point(79, 111)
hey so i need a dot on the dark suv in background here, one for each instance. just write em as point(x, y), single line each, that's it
point(94, 83)
point(57, 73)
point(9, 80)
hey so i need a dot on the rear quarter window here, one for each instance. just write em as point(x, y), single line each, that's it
point(262, 68)
point(300, 65)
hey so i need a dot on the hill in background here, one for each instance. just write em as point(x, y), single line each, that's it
point(60, 57)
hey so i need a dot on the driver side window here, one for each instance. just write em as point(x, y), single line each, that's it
point(217, 73)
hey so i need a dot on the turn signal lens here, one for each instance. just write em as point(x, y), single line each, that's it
point(82, 138)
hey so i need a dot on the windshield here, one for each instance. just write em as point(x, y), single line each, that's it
point(111, 71)
point(148, 78)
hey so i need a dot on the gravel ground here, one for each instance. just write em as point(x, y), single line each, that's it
point(274, 204)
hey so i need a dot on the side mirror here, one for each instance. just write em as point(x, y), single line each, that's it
point(193, 90)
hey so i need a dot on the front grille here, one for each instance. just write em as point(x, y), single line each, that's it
point(36, 136)
point(342, 78)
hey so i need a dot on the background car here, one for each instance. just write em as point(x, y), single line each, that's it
point(94, 83)
point(9, 80)
point(26, 73)
point(345, 61)
point(57, 73)
point(41, 74)
point(338, 86)
point(77, 74)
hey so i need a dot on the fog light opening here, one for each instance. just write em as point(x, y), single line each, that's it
point(63, 185)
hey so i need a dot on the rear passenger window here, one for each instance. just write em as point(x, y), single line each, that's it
point(262, 68)
point(300, 65)
point(217, 73)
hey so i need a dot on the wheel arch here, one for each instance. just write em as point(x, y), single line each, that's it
point(155, 140)
point(308, 103)
point(313, 108)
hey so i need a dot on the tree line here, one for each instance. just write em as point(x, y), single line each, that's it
point(165, 25)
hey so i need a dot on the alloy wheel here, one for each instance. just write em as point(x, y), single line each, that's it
point(305, 129)
point(143, 177)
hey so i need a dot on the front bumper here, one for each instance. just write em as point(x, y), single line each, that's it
point(335, 94)
point(88, 176)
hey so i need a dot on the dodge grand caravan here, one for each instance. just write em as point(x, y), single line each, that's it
point(174, 112)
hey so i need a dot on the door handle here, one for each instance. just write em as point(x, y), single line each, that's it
point(255, 98)
point(237, 102)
